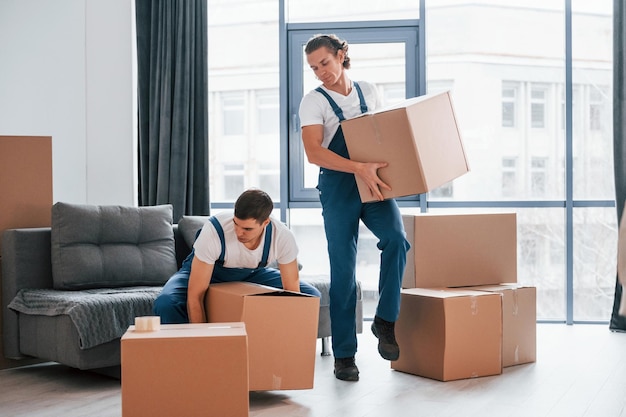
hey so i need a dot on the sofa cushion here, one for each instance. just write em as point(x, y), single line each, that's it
point(189, 226)
point(111, 246)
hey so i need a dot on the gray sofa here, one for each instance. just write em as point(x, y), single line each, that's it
point(70, 291)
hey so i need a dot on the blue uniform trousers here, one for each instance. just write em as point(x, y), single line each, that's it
point(342, 210)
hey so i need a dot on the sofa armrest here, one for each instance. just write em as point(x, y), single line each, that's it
point(182, 250)
point(26, 263)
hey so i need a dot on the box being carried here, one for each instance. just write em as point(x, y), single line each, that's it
point(281, 327)
point(420, 140)
point(185, 370)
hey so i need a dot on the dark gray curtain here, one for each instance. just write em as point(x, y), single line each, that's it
point(173, 104)
point(618, 322)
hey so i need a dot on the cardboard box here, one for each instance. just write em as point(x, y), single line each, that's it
point(448, 334)
point(519, 322)
point(420, 140)
point(458, 250)
point(26, 190)
point(185, 370)
point(282, 331)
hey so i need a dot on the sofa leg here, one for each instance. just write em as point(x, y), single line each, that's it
point(325, 343)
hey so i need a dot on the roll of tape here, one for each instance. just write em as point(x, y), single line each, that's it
point(147, 323)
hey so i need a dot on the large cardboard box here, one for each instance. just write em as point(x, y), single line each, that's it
point(447, 334)
point(420, 140)
point(282, 331)
point(457, 250)
point(26, 200)
point(185, 370)
point(519, 322)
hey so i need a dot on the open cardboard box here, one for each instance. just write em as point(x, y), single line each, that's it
point(420, 140)
point(281, 327)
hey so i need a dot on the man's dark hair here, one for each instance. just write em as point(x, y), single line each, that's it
point(331, 42)
point(254, 204)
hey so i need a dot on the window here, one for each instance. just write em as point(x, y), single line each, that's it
point(439, 86)
point(444, 191)
point(509, 96)
point(596, 108)
point(269, 179)
point(233, 114)
point(267, 107)
point(562, 106)
point(538, 176)
point(233, 181)
point(509, 177)
point(391, 93)
point(331, 10)
point(557, 255)
point(243, 84)
point(538, 107)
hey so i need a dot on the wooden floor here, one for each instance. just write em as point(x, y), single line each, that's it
point(580, 371)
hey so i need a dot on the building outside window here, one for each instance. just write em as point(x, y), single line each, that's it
point(538, 176)
point(233, 181)
point(597, 110)
point(537, 107)
point(509, 177)
point(233, 113)
point(509, 99)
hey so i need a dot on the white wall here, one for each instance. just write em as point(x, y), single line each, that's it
point(66, 72)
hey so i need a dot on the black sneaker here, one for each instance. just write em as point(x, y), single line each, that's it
point(385, 332)
point(346, 370)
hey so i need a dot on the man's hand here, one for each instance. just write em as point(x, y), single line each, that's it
point(368, 173)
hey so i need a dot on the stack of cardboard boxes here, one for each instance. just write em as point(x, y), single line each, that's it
point(463, 314)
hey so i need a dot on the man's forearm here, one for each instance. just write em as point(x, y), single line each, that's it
point(291, 285)
point(196, 312)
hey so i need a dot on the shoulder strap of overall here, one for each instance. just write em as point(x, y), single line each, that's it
point(332, 103)
point(220, 233)
point(336, 109)
point(266, 245)
point(361, 97)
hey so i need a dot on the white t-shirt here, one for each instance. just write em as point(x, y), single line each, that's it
point(208, 246)
point(316, 110)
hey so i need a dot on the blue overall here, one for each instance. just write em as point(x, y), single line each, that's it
point(171, 304)
point(342, 209)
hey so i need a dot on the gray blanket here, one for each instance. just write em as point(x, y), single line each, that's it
point(100, 315)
